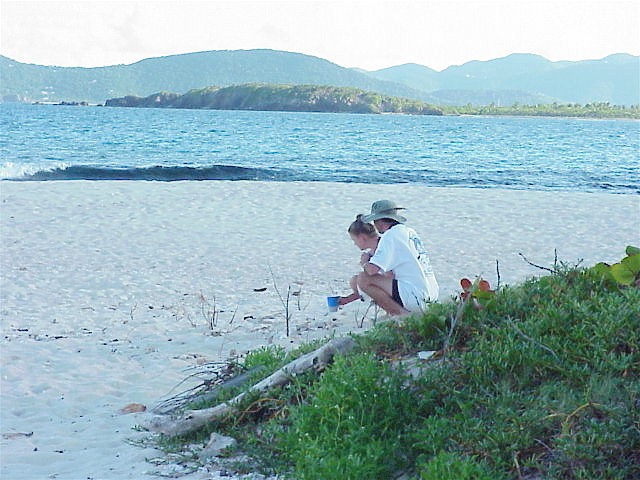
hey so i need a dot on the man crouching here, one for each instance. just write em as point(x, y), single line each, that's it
point(401, 251)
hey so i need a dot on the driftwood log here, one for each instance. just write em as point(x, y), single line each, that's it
point(193, 419)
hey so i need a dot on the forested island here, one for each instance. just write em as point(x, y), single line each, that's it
point(313, 98)
point(287, 98)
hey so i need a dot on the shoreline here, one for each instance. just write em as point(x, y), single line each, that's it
point(82, 103)
point(108, 288)
point(501, 188)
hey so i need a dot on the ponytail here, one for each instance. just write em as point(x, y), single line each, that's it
point(358, 227)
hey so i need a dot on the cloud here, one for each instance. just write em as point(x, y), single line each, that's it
point(371, 35)
point(274, 34)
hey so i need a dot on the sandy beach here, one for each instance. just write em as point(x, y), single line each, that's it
point(108, 289)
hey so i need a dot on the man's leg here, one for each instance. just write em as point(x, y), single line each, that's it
point(380, 289)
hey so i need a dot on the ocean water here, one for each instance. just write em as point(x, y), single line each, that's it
point(47, 142)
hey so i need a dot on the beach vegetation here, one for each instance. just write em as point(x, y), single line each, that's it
point(542, 381)
point(625, 272)
point(555, 109)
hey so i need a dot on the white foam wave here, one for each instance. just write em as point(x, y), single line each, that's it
point(17, 171)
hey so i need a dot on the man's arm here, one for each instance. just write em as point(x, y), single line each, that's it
point(367, 267)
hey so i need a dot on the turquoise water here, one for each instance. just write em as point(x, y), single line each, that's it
point(46, 142)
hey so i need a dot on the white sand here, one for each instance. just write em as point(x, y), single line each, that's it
point(101, 284)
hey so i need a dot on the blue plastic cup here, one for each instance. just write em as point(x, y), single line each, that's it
point(333, 303)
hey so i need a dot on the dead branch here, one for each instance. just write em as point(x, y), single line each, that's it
point(210, 376)
point(454, 321)
point(553, 270)
point(210, 316)
point(193, 419)
point(526, 337)
point(298, 294)
point(285, 303)
point(234, 314)
point(361, 324)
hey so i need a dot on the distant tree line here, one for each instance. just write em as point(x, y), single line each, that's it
point(590, 110)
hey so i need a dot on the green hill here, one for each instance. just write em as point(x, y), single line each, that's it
point(411, 74)
point(181, 73)
point(518, 78)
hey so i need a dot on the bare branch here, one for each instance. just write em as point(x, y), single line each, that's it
point(371, 303)
point(552, 270)
point(285, 302)
point(454, 321)
point(234, 314)
point(194, 419)
point(518, 331)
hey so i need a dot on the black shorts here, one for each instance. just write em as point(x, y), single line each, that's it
point(395, 294)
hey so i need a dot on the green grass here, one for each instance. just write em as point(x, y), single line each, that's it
point(356, 423)
point(544, 383)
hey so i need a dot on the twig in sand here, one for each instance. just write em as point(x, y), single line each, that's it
point(306, 305)
point(211, 313)
point(285, 302)
point(131, 312)
point(234, 314)
point(191, 322)
point(498, 274)
point(179, 312)
point(286, 308)
point(298, 294)
point(365, 315)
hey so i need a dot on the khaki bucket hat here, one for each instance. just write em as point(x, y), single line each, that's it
point(384, 209)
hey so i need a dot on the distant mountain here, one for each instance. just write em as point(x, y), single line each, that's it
point(614, 79)
point(526, 78)
point(500, 98)
point(181, 73)
point(416, 76)
point(494, 74)
point(283, 98)
point(518, 78)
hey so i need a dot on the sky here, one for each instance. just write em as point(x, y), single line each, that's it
point(365, 34)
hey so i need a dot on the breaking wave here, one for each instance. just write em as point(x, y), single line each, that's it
point(154, 173)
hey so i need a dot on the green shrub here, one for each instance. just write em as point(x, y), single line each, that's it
point(354, 423)
point(543, 350)
point(448, 466)
point(271, 358)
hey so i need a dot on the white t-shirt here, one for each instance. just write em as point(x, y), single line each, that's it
point(401, 250)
